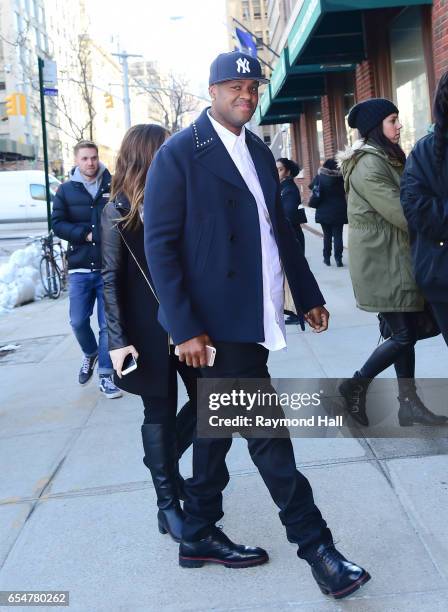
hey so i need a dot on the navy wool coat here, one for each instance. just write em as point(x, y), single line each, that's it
point(202, 238)
point(424, 197)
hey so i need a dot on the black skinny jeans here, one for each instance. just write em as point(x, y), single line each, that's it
point(163, 409)
point(398, 350)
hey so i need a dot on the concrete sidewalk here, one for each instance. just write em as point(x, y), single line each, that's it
point(77, 508)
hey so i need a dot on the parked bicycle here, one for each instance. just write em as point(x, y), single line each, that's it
point(53, 266)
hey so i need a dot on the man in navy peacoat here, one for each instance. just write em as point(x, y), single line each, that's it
point(218, 245)
point(203, 238)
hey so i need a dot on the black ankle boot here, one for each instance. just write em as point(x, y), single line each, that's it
point(339, 263)
point(412, 411)
point(159, 443)
point(327, 261)
point(354, 391)
point(334, 575)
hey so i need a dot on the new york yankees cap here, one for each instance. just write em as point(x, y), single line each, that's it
point(235, 65)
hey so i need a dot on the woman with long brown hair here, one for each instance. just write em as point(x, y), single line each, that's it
point(133, 329)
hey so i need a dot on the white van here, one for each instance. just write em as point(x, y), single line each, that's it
point(22, 195)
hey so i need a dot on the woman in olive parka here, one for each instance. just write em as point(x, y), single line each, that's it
point(380, 258)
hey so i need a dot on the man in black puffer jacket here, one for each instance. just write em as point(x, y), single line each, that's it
point(76, 217)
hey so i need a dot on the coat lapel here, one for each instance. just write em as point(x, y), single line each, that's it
point(212, 154)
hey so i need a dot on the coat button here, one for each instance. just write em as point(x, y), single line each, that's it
point(93, 225)
point(230, 274)
point(93, 244)
point(231, 203)
point(442, 243)
point(232, 238)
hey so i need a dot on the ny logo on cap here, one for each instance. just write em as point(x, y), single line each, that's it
point(242, 65)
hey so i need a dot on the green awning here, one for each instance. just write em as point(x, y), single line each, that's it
point(327, 36)
point(278, 110)
point(320, 22)
point(290, 86)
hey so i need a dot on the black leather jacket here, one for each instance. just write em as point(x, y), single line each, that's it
point(131, 308)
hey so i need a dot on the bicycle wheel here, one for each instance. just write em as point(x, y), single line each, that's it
point(50, 277)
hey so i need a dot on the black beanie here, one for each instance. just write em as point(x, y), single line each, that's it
point(366, 115)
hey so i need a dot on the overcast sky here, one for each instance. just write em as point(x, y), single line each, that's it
point(181, 35)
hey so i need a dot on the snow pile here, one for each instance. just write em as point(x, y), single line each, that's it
point(20, 278)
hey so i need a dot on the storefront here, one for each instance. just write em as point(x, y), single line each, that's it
point(343, 51)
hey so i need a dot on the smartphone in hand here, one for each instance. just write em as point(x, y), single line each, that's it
point(129, 364)
point(210, 353)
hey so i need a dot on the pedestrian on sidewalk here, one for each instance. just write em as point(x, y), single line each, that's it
point(217, 242)
point(76, 217)
point(295, 214)
point(328, 198)
point(424, 196)
point(380, 257)
point(131, 313)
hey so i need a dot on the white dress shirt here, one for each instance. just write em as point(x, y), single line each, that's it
point(273, 277)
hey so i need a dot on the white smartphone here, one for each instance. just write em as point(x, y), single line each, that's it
point(210, 352)
point(129, 364)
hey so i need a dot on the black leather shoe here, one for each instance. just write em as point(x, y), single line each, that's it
point(334, 575)
point(217, 548)
point(354, 391)
point(339, 263)
point(327, 261)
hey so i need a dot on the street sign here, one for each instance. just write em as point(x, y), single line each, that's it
point(50, 91)
point(50, 73)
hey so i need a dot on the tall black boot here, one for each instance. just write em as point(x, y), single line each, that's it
point(185, 428)
point(159, 443)
point(354, 391)
point(412, 410)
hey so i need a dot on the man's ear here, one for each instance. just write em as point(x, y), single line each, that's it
point(212, 92)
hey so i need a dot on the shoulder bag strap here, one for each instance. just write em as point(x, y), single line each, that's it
point(138, 265)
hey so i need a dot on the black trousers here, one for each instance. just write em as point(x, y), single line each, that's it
point(333, 232)
point(398, 350)
point(440, 310)
point(274, 458)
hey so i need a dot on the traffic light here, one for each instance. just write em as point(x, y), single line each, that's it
point(15, 104)
point(109, 100)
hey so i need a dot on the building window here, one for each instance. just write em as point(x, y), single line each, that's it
point(256, 5)
point(245, 9)
point(409, 76)
point(259, 39)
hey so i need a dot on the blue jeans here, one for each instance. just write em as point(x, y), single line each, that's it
point(84, 289)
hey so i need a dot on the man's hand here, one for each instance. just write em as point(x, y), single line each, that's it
point(193, 351)
point(317, 318)
point(89, 237)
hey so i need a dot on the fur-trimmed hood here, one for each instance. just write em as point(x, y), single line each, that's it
point(348, 158)
point(328, 172)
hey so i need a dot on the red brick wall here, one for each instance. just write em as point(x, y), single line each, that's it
point(329, 128)
point(365, 82)
point(440, 36)
point(306, 157)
